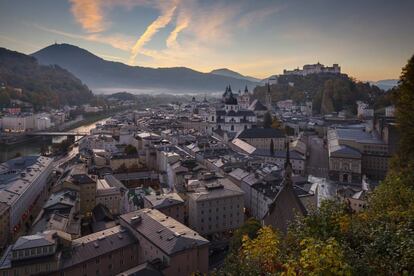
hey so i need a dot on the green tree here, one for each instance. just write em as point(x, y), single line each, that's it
point(250, 228)
point(318, 258)
point(130, 150)
point(404, 101)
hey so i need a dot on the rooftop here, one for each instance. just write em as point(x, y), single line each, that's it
point(167, 234)
point(16, 175)
point(164, 201)
point(216, 187)
point(98, 244)
point(251, 133)
point(357, 135)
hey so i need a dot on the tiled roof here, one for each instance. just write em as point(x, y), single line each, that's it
point(220, 187)
point(261, 133)
point(97, 244)
point(33, 241)
point(257, 106)
point(167, 234)
point(163, 201)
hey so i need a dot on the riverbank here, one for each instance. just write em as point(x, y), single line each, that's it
point(33, 146)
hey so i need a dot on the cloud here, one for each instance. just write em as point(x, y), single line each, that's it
point(206, 30)
point(172, 38)
point(89, 14)
point(117, 41)
point(255, 16)
point(151, 30)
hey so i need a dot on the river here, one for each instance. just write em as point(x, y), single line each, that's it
point(33, 146)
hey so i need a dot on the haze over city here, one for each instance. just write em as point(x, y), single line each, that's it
point(256, 38)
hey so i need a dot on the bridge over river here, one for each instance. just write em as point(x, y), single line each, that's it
point(78, 133)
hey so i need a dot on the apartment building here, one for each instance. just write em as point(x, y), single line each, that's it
point(23, 181)
point(178, 249)
point(171, 205)
point(215, 205)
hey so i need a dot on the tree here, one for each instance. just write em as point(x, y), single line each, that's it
point(261, 253)
point(249, 228)
point(276, 123)
point(404, 102)
point(272, 147)
point(122, 168)
point(130, 150)
point(318, 258)
point(267, 120)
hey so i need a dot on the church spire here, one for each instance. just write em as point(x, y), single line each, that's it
point(268, 98)
point(288, 164)
point(246, 90)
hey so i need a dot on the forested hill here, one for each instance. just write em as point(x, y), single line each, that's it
point(41, 85)
point(329, 92)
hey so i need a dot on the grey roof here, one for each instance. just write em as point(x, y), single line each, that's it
point(279, 154)
point(357, 135)
point(344, 151)
point(261, 133)
point(114, 182)
point(284, 208)
point(62, 198)
point(33, 241)
point(97, 244)
point(136, 175)
point(214, 188)
point(18, 174)
point(164, 201)
point(144, 269)
point(239, 173)
point(81, 179)
point(233, 113)
point(167, 234)
point(257, 105)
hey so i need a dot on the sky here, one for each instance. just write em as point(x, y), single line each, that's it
point(369, 39)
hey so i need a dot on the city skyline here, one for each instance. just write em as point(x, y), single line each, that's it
point(370, 40)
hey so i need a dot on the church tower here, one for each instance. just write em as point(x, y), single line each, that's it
point(268, 98)
point(288, 165)
point(244, 99)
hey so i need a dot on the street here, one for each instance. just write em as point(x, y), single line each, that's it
point(318, 163)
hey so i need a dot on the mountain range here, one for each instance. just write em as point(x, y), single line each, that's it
point(385, 84)
point(104, 76)
point(41, 85)
point(229, 73)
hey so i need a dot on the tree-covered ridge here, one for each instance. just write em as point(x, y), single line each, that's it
point(329, 92)
point(42, 85)
point(333, 240)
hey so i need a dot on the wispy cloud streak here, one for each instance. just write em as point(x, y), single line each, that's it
point(151, 30)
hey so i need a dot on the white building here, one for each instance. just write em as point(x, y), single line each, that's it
point(42, 123)
point(18, 123)
point(233, 118)
point(390, 111)
point(110, 193)
point(363, 110)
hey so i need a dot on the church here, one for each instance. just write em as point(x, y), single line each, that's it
point(234, 114)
